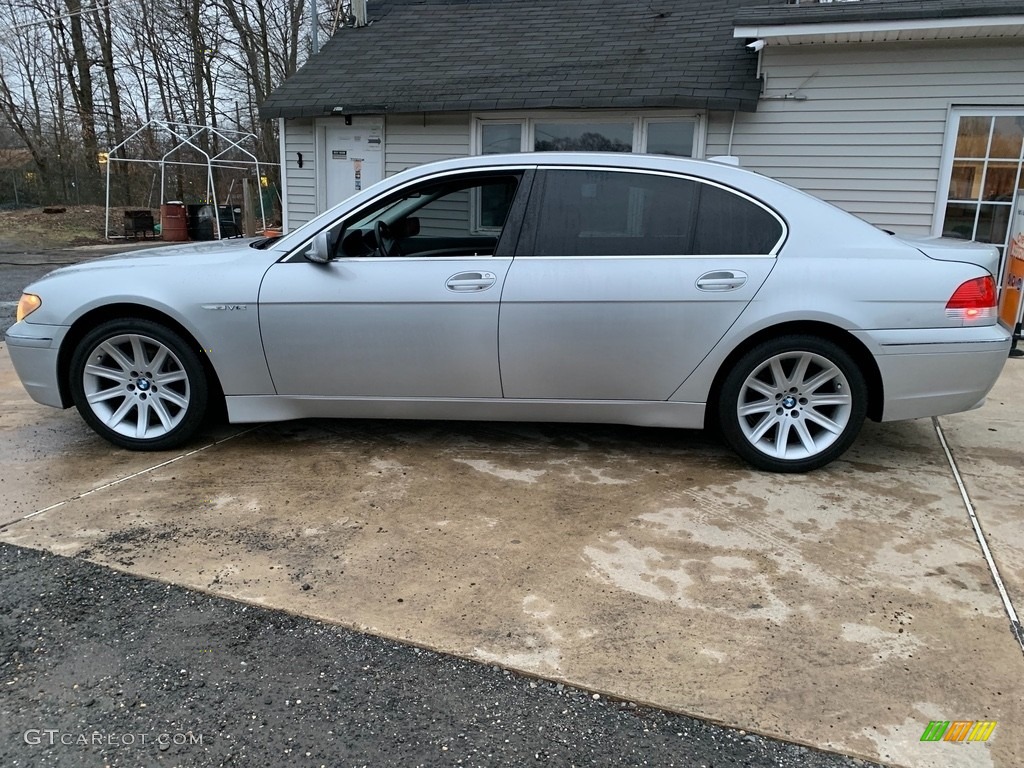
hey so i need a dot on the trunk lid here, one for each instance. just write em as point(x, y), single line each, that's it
point(948, 249)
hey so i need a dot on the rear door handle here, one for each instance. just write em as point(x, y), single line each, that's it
point(723, 280)
point(465, 282)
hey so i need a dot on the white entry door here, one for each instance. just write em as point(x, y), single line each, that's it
point(353, 157)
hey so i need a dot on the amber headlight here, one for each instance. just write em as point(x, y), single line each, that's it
point(28, 304)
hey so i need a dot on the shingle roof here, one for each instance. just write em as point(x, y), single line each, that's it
point(455, 55)
point(782, 12)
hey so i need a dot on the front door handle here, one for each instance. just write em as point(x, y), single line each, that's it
point(465, 282)
point(723, 280)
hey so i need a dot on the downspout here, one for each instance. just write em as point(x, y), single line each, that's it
point(106, 228)
point(284, 178)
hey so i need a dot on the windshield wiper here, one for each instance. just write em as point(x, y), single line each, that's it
point(265, 242)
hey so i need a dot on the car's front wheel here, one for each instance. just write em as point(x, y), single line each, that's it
point(793, 403)
point(139, 385)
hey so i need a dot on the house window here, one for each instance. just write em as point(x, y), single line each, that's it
point(985, 156)
point(583, 136)
point(613, 133)
point(671, 137)
point(500, 138)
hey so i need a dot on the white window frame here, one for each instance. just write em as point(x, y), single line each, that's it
point(956, 113)
point(640, 121)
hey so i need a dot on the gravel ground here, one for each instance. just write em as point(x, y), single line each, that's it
point(102, 668)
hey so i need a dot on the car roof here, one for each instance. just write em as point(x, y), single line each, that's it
point(777, 195)
point(606, 159)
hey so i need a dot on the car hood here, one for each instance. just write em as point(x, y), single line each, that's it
point(185, 256)
point(948, 249)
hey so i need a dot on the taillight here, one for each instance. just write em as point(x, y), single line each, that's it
point(974, 301)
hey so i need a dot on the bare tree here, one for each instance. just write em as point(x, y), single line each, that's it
point(268, 39)
point(79, 76)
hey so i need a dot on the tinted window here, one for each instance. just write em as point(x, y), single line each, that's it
point(730, 224)
point(611, 213)
point(605, 213)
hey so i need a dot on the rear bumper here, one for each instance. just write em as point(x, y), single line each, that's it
point(33, 349)
point(932, 372)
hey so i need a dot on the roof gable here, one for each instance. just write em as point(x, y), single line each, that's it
point(456, 55)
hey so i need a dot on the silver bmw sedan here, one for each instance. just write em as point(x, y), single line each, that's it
point(563, 287)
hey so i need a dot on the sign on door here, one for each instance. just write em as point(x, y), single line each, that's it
point(355, 156)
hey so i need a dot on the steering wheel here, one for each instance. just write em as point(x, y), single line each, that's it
point(386, 244)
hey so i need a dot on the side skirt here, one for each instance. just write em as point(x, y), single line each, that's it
point(641, 413)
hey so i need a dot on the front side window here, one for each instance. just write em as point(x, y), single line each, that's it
point(620, 213)
point(444, 217)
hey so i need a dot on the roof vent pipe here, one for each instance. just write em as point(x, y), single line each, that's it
point(359, 12)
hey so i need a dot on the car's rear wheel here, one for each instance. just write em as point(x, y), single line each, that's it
point(793, 403)
point(139, 385)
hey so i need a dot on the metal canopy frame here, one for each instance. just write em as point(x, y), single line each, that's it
point(186, 135)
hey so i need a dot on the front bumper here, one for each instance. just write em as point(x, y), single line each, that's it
point(937, 371)
point(33, 349)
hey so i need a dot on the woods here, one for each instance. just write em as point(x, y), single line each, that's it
point(78, 76)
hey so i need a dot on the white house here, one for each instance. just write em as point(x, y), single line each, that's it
point(908, 113)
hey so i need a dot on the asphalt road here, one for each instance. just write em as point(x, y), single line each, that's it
point(17, 272)
point(19, 267)
point(102, 668)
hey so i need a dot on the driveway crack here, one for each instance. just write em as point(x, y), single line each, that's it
point(1015, 626)
point(120, 480)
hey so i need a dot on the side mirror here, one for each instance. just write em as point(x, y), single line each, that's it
point(319, 251)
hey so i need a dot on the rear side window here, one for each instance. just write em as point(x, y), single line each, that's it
point(730, 224)
point(614, 213)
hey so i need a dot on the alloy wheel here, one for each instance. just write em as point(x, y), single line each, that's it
point(795, 405)
point(136, 386)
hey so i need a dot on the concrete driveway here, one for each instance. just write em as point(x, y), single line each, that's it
point(843, 609)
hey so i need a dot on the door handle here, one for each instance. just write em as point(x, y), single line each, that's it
point(725, 280)
point(465, 282)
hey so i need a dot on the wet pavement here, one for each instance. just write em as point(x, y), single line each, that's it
point(843, 609)
point(204, 681)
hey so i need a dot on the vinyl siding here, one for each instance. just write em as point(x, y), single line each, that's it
point(299, 136)
point(867, 130)
point(411, 140)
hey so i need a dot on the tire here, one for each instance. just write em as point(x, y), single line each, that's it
point(139, 385)
point(792, 404)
